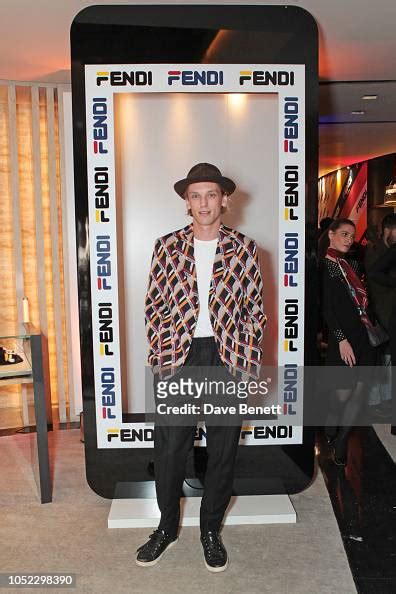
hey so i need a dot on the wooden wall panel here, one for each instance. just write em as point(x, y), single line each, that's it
point(46, 215)
point(8, 312)
point(41, 240)
point(27, 206)
point(25, 161)
point(60, 253)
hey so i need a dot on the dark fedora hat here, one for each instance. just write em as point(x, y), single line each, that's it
point(204, 172)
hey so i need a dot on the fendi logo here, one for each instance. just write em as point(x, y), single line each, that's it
point(121, 78)
point(266, 77)
point(195, 77)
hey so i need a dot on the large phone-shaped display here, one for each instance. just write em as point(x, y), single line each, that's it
point(156, 89)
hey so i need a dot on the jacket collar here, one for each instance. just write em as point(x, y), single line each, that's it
point(187, 233)
point(183, 255)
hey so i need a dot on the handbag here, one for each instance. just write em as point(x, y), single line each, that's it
point(377, 335)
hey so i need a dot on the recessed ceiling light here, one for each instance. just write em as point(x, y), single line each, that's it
point(360, 112)
point(369, 97)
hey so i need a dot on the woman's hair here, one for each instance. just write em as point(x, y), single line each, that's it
point(338, 222)
point(324, 240)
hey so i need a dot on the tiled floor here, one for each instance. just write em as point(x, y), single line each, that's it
point(363, 496)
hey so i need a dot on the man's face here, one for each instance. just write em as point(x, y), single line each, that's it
point(389, 235)
point(205, 200)
point(392, 236)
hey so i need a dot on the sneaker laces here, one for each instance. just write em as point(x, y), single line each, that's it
point(213, 544)
point(154, 541)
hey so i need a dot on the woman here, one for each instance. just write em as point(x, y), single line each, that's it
point(345, 305)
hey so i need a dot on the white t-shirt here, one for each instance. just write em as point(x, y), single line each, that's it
point(204, 253)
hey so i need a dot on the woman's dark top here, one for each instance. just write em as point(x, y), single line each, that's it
point(342, 317)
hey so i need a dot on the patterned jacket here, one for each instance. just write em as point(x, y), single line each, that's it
point(235, 302)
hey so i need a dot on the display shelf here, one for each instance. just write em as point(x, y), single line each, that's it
point(14, 380)
point(22, 370)
point(31, 345)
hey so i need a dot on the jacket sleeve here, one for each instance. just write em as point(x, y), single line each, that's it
point(253, 302)
point(329, 312)
point(156, 307)
point(379, 272)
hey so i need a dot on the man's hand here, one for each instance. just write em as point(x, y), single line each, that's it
point(347, 354)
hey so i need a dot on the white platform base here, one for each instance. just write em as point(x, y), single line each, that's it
point(246, 509)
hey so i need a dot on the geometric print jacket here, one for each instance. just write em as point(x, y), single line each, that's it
point(235, 302)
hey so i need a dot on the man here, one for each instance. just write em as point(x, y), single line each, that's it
point(382, 298)
point(203, 309)
point(383, 301)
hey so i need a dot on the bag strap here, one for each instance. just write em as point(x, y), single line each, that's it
point(362, 312)
point(351, 290)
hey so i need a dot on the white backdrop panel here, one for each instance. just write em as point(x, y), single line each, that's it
point(158, 138)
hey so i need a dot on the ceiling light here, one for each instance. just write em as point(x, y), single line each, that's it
point(390, 195)
point(361, 112)
point(369, 97)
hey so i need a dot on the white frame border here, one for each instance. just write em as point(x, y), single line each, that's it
point(99, 91)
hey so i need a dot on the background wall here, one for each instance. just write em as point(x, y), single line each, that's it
point(380, 172)
point(158, 139)
point(357, 192)
point(343, 194)
point(33, 239)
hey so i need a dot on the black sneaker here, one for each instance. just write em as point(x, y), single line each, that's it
point(216, 558)
point(151, 552)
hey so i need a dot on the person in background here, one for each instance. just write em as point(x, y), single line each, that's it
point(382, 297)
point(383, 273)
point(345, 309)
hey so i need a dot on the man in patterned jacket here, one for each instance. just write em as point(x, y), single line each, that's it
point(203, 309)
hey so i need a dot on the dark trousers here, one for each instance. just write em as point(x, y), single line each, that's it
point(172, 445)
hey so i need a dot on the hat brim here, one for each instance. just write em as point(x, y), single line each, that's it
point(224, 182)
